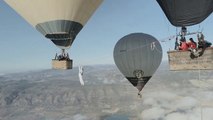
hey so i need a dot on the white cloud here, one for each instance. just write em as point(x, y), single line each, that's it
point(207, 113)
point(208, 95)
point(161, 99)
point(152, 113)
point(76, 117)
point(107, 81)
point(163, 95)
point(150, 101)
point(185, 103)
point(176, 116)
point(202, 83)
point(182, 104)
point(195, 114)
point(79, 117)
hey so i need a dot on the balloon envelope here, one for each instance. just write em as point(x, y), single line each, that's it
point(138, 52)
point(58, 20)
point(186, 12)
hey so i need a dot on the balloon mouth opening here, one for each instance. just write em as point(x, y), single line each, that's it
point(62, 40)
point(139, 83)
point(59, 36)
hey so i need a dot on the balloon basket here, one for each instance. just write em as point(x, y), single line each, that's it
point(182, 60)
point(62, 64)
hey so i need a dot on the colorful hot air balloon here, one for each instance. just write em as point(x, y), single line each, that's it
point(58, 20)
point(186, 12)
point(138, 56)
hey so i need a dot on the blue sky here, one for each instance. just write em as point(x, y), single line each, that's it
point(23, 48)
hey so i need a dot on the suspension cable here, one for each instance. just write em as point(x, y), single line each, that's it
point(199, 79)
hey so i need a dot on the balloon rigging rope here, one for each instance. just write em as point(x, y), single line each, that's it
point(201, 109)
point(199, 80)
point(152, 46)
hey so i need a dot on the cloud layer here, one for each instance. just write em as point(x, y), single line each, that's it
point(107, 95)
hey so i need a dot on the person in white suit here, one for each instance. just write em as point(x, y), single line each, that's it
point(80, 75)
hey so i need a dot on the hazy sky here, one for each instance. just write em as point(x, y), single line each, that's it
point(23, 48)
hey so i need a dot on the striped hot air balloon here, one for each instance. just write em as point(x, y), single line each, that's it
point(58, 20)
point(138, 56)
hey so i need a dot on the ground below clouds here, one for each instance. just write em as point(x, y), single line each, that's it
point(107, 95)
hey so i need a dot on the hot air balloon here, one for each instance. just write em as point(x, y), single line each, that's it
point(183, 13)
point(186, 12)
point(58, 20)
point(138, 56)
